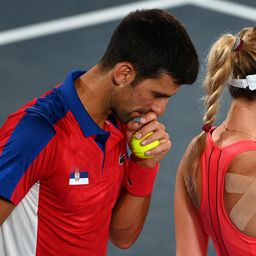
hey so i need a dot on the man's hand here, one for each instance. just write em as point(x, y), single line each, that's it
point(149, 123)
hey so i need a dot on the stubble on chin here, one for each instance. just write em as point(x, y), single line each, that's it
point(122, 117)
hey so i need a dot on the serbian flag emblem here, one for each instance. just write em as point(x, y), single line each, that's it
point(78, 177)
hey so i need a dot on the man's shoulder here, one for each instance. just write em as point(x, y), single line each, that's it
point(30, 127)
point(27, 134)
point(50, 107)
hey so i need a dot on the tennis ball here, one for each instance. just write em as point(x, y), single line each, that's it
point(139, 150)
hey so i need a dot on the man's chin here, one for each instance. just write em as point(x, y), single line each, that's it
point(125, 120)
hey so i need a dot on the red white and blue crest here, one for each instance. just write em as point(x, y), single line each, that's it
point(78, 177)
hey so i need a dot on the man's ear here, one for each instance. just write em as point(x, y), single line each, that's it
point(123, 74)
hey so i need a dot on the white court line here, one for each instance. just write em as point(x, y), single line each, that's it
point(82, 20)
point(114, 13)
point(235, 9)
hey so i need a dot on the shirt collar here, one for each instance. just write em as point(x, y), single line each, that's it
point(69, 93)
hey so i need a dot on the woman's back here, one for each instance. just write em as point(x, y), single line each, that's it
point(227, 192)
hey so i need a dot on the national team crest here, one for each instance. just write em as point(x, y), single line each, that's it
point(78, 177)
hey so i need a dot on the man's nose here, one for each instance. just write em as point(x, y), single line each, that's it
point(159, 106)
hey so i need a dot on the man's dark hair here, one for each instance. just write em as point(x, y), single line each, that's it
point(154, 42)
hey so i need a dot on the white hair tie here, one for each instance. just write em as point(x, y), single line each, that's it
point(248, 83)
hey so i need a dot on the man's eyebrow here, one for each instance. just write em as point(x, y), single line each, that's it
point(162, 95)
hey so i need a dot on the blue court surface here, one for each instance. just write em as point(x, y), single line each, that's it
point(41, 41)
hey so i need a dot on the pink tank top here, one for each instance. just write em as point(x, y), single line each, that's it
point(227, 239)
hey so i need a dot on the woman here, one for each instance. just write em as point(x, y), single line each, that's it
point(215, 193)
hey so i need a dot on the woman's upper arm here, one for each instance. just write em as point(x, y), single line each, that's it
point(191, 238)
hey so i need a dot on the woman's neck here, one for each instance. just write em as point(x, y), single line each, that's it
point(242, 116)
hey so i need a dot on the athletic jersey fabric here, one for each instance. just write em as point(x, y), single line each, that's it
point(227, 239)
point(63, 173)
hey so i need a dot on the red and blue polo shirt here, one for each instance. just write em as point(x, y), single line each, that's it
point(63, 173)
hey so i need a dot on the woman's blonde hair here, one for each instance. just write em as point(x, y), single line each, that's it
point(224, 63)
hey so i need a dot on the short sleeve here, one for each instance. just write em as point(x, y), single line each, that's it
point(21, 146)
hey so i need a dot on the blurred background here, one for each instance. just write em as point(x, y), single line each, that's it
point(41, 41)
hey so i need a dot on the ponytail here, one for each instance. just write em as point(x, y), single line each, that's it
point(220, 68)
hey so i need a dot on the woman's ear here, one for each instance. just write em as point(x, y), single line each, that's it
point(123, 74)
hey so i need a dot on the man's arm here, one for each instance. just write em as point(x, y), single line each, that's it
point(191, 238)
point(5, 209)
point(128, 219)
point(132, 207)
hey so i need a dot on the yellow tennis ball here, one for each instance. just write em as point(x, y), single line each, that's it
point(139, 150)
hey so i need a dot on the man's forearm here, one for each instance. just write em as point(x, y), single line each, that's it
point(128, 219)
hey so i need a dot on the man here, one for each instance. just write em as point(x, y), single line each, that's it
point(65, 175)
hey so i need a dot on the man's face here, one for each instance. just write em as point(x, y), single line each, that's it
point(148, 95)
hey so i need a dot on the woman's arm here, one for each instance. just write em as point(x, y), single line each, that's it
point(191, 238)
